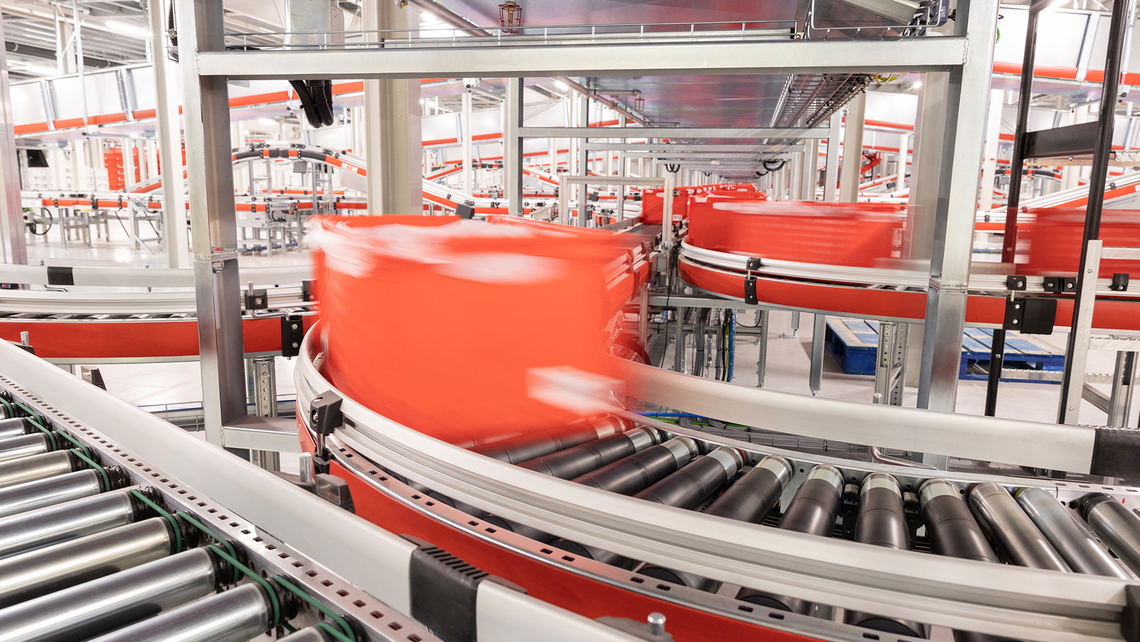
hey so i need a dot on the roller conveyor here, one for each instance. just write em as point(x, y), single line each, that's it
point(49, 492)
point(36, 467)
point(1069, 535)
point(579, 460)
point(637, 472)
point(23, 445)
point(78, 518)
point(1019, 539)
point(1116, 525)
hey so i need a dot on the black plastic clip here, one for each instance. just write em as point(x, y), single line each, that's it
point(1119, 282)
point(307, 293)
point(1060, 284)
point(1015, 282)
point(256, 299)
point(325, 415)
point(750, 280)
point(292, 333)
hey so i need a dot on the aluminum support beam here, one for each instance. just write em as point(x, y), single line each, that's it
point(852, 149)
point(738, 133)
point(810, 170)
point(831, 178)
point(595, 60)
point(957, 202)
point(468, 153)
point(169, 139)
point(989, 166)
point(926, 165)
point(214, 226)
point(513, 147)
point(13, 245)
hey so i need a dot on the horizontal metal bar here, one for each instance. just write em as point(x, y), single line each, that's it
point(609, 180)
point(670, 148)
point(135, 277)
point(1040, 445)
point(1115, 344)
point(1122, 253)
point(747, 133)
point(276, 434)
point(712, 58)
point(1072, 140)
point(1095, 397)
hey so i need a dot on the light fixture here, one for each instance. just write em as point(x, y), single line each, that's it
point(267, 121)
point(917, 84)
point(128, 29)
point(421, 101)
point(561, 85)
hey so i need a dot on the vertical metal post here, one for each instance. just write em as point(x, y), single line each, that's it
point(989, 163)
point(1025, 94)
point(14, 246)
point(852, 149)
point(265, 401)
point(1076, 356)
point(169, 140)
point(216, 280)
point(997, 362)
point(1123, 384)
point(831, 176)
point(890, 362)
point(810, 170)
point(762, 347)
point(621, 173)
point(468, 152)
point(819, 331)
point(513, 147)
point(679, 341)
point(1073, 379)
point(968, 90)
point(667, 212)
point(392, 123)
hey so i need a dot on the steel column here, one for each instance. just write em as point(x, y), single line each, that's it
point(13, 245)
point(819, 330)
point(1123, 384)
point(989, 164)
point(169, 139)
point(831, 177)
point(852, 149)
point(468, 151)
point(513, 147)
point(954, 217)
point(214, 231)
point(1025, 94)
point(810, 168)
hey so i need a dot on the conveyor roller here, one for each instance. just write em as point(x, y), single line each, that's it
point(527, 447)
point(48, 492)
point(236, 615)
point(579, 460)
point(1069, 535)
point(42, 571)
point(1012, 529)
point(637, 472)
point(811, 511)
point(14, 426)
point(697, 482)
point(756, 493)
point(23, 446)
point(26, 469)
point(882, 523)
point(1116, 525)
point(119, 599)
point(32, 530)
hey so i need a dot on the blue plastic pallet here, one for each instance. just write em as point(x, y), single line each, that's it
point(854, 343)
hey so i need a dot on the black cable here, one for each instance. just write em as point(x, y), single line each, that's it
point(311, 113)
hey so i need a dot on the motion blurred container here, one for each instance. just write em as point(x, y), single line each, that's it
point(468, 331)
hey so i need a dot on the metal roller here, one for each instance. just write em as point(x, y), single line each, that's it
point(690, 487)
point(754, 495)
point(1008, 525)
point(23, 446)
point(950, 526)
point(953, 532)
point(311, 634)
point(4, 413)
point(43, 571)
point(1116, 525)
point(881, 522)
point(112, 602)
point(32, 530)
point(637, 472)
point(236, 615)
point(812, 511)
point(26, 469)
point(579, 460)
point(49, 492)
point(527, 447)
point(1069, 535)
point(15, 426)
point(697, 482)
